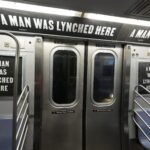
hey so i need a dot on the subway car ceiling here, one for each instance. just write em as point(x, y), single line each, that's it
point(124, 8)
point(49, 21)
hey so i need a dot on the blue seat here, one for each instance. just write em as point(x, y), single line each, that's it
point(5, 133)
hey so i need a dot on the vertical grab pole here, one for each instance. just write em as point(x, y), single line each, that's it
point(15, 89)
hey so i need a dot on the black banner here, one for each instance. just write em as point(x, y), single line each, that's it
point(7, 75)
point(144, 76)
point(72, 26)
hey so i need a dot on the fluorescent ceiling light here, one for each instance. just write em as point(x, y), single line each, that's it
point(115, 19)
point(65, 12)
point(38, 9)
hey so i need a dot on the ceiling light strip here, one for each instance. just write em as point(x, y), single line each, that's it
point(115, 19)
point(65, 12)
point(38, 9)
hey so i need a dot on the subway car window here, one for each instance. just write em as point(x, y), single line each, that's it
point(104, 64)
point(64, 76)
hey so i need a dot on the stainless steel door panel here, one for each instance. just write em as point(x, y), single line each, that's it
point(103, 119)
point(62, 123)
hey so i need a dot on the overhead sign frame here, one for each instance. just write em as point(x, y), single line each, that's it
point(46, 24)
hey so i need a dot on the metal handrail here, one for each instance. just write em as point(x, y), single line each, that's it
point(22, 121)
point(142, 119)
point(142, 97)
point(25, 100)
point(21, 95)
point(17, 101)
point(136, 91)
point(23, 125)
point(142, 108)
point(141, 129)
point(23, 131)
point(23, 141)
point(141, 87)
point(15, 89)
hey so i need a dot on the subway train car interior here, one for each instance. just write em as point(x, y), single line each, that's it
point(75, 75)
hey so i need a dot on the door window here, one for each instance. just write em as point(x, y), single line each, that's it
point(103, 78)
point(64, 77)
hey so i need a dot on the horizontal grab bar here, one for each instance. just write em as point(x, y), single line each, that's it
point(141, 129)
point(20, 97)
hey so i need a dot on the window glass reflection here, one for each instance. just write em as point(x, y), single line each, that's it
point(104, 64)
point(64, 76)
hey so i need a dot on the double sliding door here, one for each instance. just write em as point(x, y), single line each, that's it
point(72, 120)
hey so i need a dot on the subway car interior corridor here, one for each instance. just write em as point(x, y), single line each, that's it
point(75, 75)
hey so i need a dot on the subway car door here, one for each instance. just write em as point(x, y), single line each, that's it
point(63, 96)
point(103, 98)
